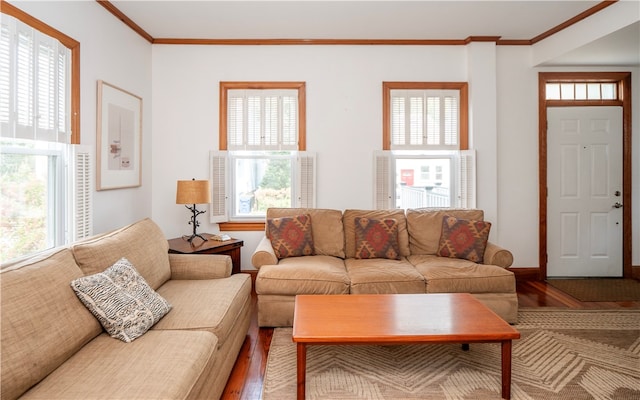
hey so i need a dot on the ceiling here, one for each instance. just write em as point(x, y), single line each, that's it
point(377, 20)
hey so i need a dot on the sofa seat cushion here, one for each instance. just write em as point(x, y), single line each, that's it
point(304, 275)
point(452, 275)
point(43, 322)
point(380, 275)
point(326, 228)
point(158, 365)
point(142, 243)
point(425, 226)
point(213, 305)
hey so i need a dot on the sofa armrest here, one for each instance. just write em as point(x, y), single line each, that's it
point(496, 255)
point(264, 254)
point(199, 266)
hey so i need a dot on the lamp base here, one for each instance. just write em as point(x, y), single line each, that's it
point(194, 222)
point(190, 238)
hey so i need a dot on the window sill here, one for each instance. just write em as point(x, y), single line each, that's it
point(241, 226)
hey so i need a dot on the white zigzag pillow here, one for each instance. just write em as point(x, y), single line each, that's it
point(121, 299)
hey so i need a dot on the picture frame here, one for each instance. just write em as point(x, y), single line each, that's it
point(119, 138)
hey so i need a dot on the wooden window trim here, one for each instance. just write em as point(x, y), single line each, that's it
point(68, 42)
point(463, 87)
point(222, 133)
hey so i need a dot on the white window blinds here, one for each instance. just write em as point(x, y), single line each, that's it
point(262, 119)
point(34, 88)
point(425, 119)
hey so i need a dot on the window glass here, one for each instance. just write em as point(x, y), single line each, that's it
point(553, 91)
point(261, 181)
point(415, 189)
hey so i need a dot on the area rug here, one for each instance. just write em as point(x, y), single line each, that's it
point(599, 289)
point(563, 355)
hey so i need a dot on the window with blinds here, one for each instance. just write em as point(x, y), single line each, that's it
point(425, 161)
point(262, 162)
point(425, 119)
point(46, 192)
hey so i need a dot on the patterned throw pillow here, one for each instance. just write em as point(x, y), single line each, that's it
point(463, 238)
point(123, 302)
point(291, 236)
point(377, 238)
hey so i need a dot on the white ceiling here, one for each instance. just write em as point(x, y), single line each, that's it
point(360, 19)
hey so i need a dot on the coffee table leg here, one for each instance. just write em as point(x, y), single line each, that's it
point(506, 369)
point(302, 369)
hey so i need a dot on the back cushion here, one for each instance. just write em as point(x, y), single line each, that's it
point(349, 218)
point(142, 243)
point(43, 322)
point(326, 228)
point(425, 226)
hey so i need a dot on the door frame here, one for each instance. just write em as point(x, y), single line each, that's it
point(623, 81)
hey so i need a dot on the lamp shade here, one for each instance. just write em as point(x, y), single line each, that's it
point(193, 192)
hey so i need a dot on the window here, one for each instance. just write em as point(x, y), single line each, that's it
point(425, 161)
point(581, 91)
point(262, 162)
point(36, 180)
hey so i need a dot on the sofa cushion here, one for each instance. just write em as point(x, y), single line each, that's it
point(159, 365)
point(326, 228)
point(453, 275)
point(209, 304)
point(291, 236)
point(425, 226)
point(58, 325)
point(463, 238)
point(142, 243)
point(121, 300)
point(348, 220)
point(379, 275)
point(304, 275)
point(377, 238)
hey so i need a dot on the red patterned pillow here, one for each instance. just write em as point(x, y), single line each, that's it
point(377, 238)
point(291, 236)
point(463, 238)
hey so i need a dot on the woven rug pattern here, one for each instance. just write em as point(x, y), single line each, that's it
point(577, 354)
point(599, 289)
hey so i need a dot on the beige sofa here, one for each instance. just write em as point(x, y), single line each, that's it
point(334, 269)
point(54, 348)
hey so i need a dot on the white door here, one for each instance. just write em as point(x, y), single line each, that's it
point(584, 177)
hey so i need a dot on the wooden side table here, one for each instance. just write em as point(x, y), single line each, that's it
point(228, 247)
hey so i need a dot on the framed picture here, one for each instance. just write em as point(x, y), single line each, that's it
point(119, 138)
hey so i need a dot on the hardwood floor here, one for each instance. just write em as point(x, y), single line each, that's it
point(246, 378)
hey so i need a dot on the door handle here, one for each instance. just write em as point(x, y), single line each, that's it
point(617, 205)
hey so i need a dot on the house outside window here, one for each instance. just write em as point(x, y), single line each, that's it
point(424, 161)
point(36, 180)
point(262, 161)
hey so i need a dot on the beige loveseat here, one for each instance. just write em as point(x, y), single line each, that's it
point(54, 348)
point(334, 269)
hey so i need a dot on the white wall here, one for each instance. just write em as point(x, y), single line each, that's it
point(344, 115)
point(112, 52)
point(344, 100)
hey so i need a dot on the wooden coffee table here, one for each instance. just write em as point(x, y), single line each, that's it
point(397, 319)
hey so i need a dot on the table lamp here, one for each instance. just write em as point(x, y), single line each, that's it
point(191, 193)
